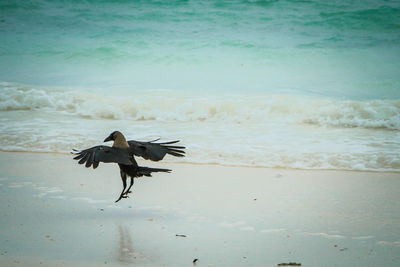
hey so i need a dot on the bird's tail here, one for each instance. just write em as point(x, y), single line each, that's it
point(146, 171)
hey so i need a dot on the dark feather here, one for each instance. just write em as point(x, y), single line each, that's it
point(175, 154)
point(177, 150)
point(79, 156)
point(155, 151)
point(95, 164)
point(146, 171)
point(84, 158)
point(90, 159)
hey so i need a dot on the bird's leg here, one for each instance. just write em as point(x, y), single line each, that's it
point(123, 177)
point(127, 191)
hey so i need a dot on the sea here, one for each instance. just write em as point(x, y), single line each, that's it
point(283, 84)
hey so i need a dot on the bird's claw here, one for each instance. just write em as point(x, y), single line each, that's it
point(126, 193)
point(126, 196)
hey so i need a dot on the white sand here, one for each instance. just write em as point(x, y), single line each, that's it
point(56, 212)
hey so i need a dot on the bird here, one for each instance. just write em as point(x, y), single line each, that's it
point(123, 153)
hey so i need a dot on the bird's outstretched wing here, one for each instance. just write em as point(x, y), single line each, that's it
point(95, 155)
point(155, 151)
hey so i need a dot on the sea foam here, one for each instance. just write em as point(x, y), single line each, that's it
point(191, 108)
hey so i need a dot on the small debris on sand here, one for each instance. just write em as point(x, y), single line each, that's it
point(50, 239)
point(180, 235)
point(289, 264)
point(195, 261)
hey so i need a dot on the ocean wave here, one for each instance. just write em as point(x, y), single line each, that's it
point(241, 109)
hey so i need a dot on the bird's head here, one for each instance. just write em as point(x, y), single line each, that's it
point(114, 135)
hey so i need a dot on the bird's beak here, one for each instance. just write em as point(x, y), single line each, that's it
point(109, 138)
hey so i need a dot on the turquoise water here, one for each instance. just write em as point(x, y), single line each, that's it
point(331, 48)
point(298, 84)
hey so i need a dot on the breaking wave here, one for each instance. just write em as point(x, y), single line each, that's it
point(163, 106)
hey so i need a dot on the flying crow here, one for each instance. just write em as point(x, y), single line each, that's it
point(123, 152)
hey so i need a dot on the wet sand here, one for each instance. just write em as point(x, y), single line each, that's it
point(55, 212)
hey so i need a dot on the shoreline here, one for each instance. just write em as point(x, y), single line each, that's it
point(165, 161)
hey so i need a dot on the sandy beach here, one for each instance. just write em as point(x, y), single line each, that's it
point(57, 213)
